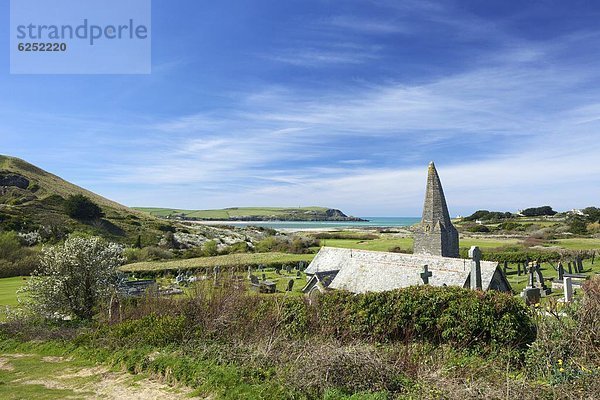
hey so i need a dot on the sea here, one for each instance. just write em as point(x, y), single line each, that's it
point(372, 222)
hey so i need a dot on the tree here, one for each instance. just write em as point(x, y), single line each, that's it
point(82, 208)
point(538, 211)
point(74, 278)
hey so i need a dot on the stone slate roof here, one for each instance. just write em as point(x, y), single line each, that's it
point(374, 271)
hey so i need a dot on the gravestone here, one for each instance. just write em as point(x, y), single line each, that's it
point(290, 285)
point(570, 268)
point(540, 279)
point(288, 269)
point(301, 266)
point(298, 274)
point(568, 287)
point(426, 274)
point(561, 271)
point(531, 295)
point(593, 256)
point(530, 271)
point(579, 264)
point(254, 280)
point(475, 256)
point(264, 277)
point(519, 269)
point(505, 267)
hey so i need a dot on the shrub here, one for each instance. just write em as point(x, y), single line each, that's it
point(73, 278)
point(447, 314)
point(478, 228)
point(82, 208)
point(538, 211)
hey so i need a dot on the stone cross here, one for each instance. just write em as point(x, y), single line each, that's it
point(475, 256)
point(568, 287)
point(426, 274)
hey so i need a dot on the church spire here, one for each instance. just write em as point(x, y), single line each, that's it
point(435, 208)
point(435, 234)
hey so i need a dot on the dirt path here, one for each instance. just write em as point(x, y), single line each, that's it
point(25, 376)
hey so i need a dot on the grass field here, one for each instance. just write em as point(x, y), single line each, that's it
point(228, 260)
point(228, 213)
point(8, 293)
point(385, 244)
point(579, 244)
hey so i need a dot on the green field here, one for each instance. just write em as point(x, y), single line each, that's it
point(386, 244)
point(579, 244)
point(8, 293)
point(229, 213)
point(229, 260)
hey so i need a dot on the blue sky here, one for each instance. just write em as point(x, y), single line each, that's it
point(335, 103)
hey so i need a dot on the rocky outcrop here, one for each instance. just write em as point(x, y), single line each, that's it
point(14, 180)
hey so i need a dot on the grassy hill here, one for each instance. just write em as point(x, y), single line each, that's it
point(33, 199)
point(252, 214)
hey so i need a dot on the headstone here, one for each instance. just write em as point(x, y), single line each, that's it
point(288, 269)
point(278, 271)
point(561, 271)
point(254, 280)
point(568, 287)
point(579, 264)
point(475, 256)
point(264, 277)
point(531, 295)
point(290, 285)
point(301, 266)
point(530, 271)
point(570, 268)
point(519, 269)
point(593, 256)
point(505, 267)
point(540, 279)
point(298, 274)
point(426, 274)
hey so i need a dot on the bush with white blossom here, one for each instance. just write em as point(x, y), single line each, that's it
point(74, 278)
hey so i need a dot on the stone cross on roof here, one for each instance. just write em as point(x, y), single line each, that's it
point(426, 274)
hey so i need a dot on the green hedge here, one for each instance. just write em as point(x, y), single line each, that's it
point(436, 314)
point(515, 256)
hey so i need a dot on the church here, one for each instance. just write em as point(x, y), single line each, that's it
point(435, 260)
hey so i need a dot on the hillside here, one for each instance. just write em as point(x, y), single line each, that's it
point(253, 214)
point(33, 199)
